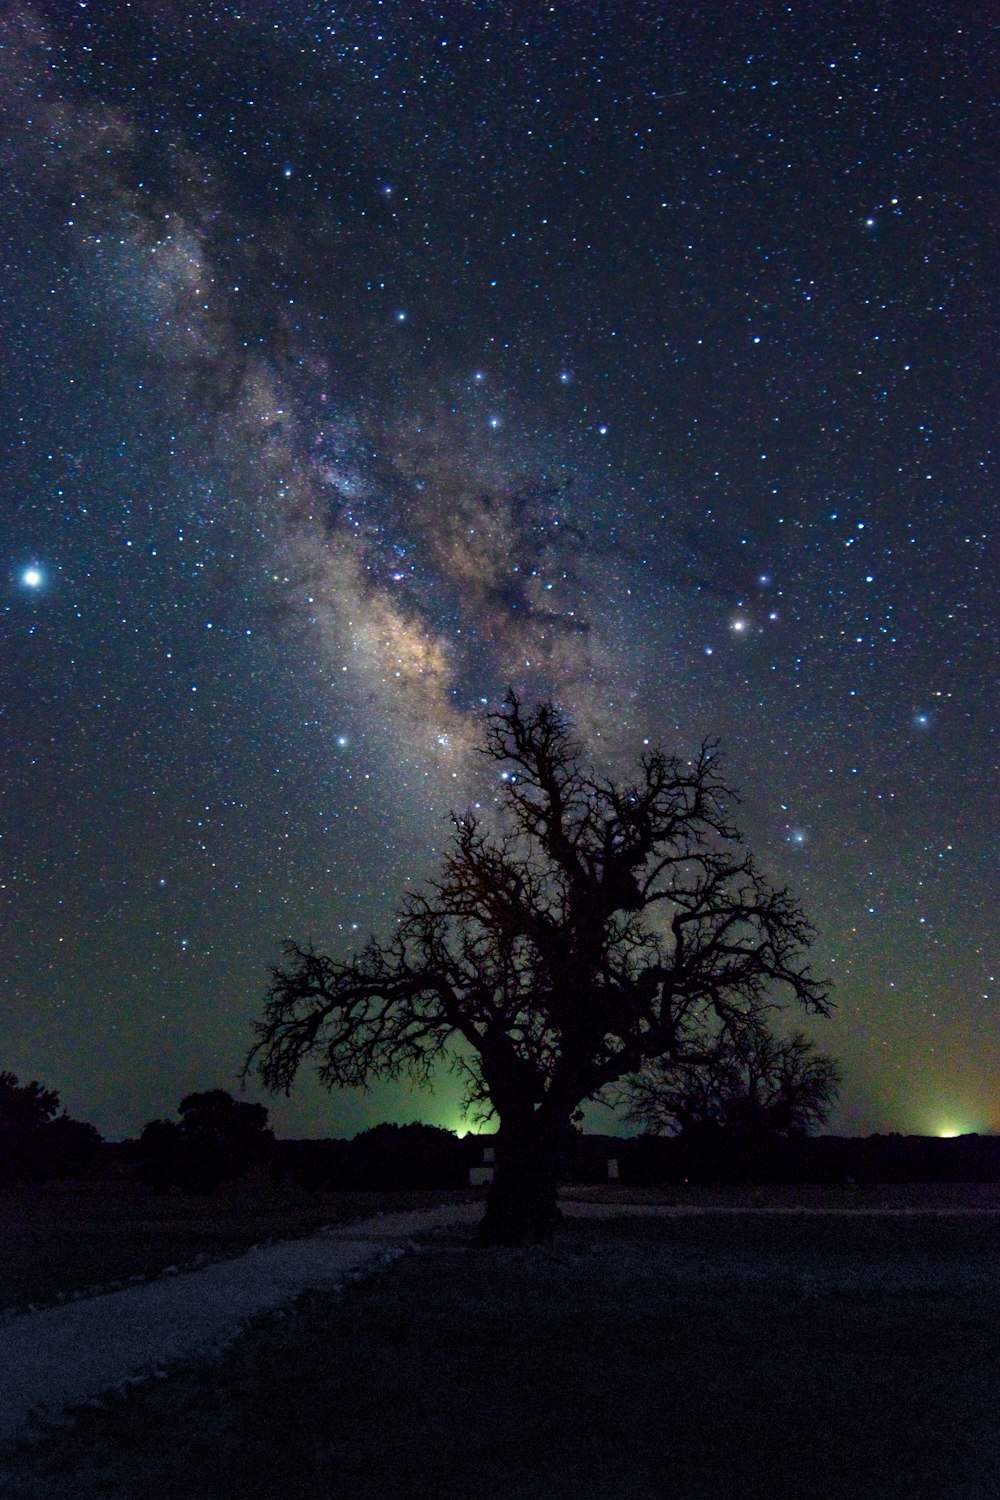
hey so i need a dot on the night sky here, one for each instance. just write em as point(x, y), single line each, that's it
point(359, 360)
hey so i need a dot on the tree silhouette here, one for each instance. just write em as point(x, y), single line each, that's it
point(405, 1156)
point(218, 1138)
point(752, 1087)
point(37, 1143)
point(590, 925)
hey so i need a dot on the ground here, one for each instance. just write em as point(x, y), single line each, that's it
point(768, 1352)
point(61, 1239)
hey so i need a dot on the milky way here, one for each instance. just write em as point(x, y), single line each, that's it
point(361, 363)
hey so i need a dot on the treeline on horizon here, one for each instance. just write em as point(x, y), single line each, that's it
point(217, 1138)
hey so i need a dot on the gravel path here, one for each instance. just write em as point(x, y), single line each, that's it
point(66, 1355)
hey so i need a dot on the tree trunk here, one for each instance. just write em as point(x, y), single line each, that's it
point(521, 1208)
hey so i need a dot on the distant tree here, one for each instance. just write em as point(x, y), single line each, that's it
point(310, 1164)
point(37, 1143)
point(25, 1109)
point(751, 1085)
point(384, 1158)
point(590, 925)
point(67, 1148)
point(406, 1156)
point(238, 1130)
point(159, 1156)
point(217, 1139)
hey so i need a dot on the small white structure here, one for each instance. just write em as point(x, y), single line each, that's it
point(612, 1169)
point(482, 1176)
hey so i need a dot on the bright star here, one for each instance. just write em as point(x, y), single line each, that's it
point(33, 578)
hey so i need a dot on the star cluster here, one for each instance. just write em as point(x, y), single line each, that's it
point(360, 362)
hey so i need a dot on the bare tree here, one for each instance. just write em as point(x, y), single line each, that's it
point(754, 1085)
point(597, 923)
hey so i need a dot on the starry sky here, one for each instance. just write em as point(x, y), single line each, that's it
point(362, 359)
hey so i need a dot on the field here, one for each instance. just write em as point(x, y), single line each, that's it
point(759, 1353)
point(59, 1240)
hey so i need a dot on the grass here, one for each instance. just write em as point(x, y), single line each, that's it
point(759, 1355)
point(57, 1241)
point(851, 1197)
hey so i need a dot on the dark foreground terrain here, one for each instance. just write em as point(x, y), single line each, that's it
point(752, 1354)
point(59, 1240)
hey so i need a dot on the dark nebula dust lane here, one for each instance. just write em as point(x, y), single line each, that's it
point(359, 362)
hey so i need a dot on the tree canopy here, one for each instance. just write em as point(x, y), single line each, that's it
point(37, 1142)
point(216, 1139)
point(752, 1086)
point(582, 926)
